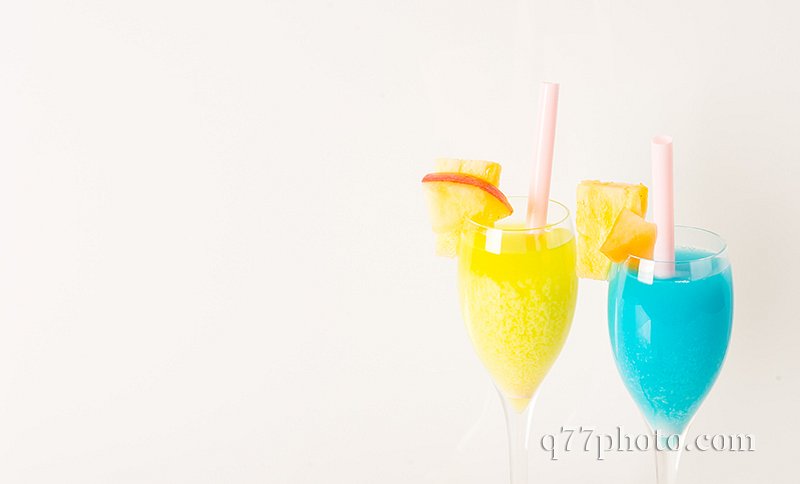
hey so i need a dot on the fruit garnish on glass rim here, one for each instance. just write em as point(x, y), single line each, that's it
point(454, 197)
point(485, 170)
point(599, 204)
point(630, 235)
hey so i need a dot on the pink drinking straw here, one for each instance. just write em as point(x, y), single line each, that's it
point(539, 193)
point(663, 205)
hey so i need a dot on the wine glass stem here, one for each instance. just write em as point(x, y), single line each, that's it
point(667, 463)
point(518, 424)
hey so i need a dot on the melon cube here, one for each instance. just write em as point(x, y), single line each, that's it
point(630, 235)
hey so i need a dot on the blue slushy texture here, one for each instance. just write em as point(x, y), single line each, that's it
point(669, 337)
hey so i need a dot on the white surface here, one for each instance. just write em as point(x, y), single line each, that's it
point(215, 264)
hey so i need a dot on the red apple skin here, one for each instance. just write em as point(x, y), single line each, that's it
point(468, 180)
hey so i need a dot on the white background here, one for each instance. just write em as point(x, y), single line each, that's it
point(215, 258)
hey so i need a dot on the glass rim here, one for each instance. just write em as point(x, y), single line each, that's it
point(716, 254)
point(560, 221)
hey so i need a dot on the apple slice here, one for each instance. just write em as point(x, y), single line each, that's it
point(455, 198)
point(630, 235)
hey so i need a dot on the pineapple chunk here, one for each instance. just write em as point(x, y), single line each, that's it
point(598, 206)
point(455, 198)
point(485, 170)
point(630, 235)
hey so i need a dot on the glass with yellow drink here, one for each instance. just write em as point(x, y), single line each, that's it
point(518, 289)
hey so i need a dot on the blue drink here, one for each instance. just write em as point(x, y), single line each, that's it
point(669, 336)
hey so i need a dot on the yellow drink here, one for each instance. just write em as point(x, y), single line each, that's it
point(518, 291)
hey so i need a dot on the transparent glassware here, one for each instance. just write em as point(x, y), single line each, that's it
point(518, 289)
point(670, 324)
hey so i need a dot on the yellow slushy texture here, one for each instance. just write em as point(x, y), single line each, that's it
point(518, 296)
